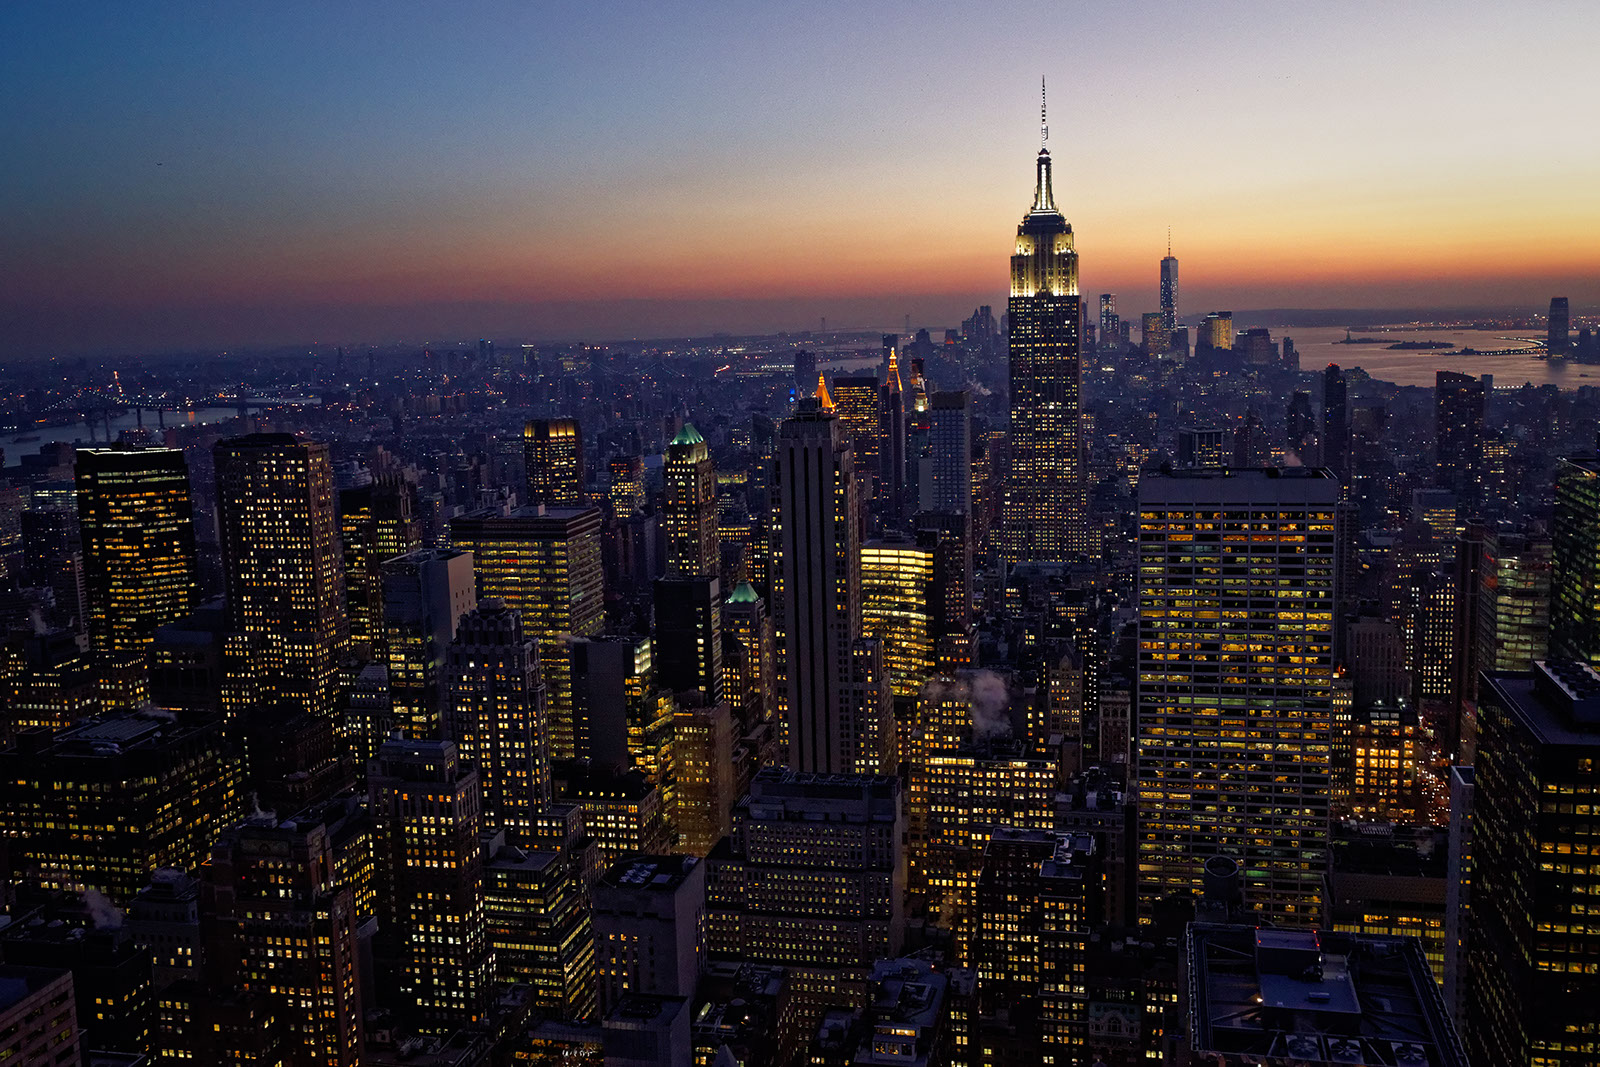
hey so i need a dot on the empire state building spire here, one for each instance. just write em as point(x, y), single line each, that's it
point(1046, 506)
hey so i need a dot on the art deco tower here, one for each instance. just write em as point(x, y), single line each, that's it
point(1046, 505)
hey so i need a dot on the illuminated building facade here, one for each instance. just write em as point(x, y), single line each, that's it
point(1534, 934)
point(539, 923)
point(622, 811)
point(425, 593)
point(1513, 623)
point(812, 879)
point(627, 485)
point(137, 528)
point(282, 559)
point(494, 712)
point(857, 402)
point(896, 583)
point(1169, 291)
point(689, 513)
point(891, 500)
point(281, 924)
point(1216, 331)
point(702, 797)
point(1575, 580)
point(1237, 580)
point(826, 680)
point(1046, 506)
point(377, 522)
point(103, 805)
point(552, 450)
point(688, 634)
point(1153, 332)
point(433, 930)
point(544, 564)
point(747, 624)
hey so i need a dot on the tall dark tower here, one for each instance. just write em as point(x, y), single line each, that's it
point(1557, 336)
point(1169, 288)
point(1336, 424)
point(1458, 407)
point(1046, 506)
point(688, 601)
point(892, 443)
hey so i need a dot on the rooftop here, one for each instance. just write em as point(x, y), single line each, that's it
point(656, 873)
point(1265, 997)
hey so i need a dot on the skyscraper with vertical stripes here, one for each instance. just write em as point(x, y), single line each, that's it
point(1046, 506)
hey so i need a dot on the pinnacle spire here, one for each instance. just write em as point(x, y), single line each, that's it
point(824, 401)
point(894, 373)
point(1044, 198)
point(1044, 128)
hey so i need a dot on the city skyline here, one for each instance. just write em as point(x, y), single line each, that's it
point(190, 177)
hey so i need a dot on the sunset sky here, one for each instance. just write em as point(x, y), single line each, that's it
point(226, 174)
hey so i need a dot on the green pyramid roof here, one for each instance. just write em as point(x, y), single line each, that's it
point(688, 436)
point(743, 593)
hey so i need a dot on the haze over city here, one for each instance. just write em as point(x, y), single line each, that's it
point(214, 175)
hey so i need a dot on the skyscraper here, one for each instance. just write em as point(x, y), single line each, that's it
point(494, 712)
point(282, 559)
point(552, 451)
point(817, 594)
point(1557, 327)
point(1531, 937)
point(1110, 321)
point(1336, 425)
point(137, 530)
point(1169, 290)
point(689, 513)
point(950, 451)
point(1575, 580)
point(1235, 697)
point(892, 454)
point(281, 923)
point(377, 522)
point(857, 400)
point(425, 593)
point(1046, 509)
point(427, 808)
point(544, 564)
point(1458, 408)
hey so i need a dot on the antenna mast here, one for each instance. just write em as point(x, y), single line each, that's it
point(1044, 130)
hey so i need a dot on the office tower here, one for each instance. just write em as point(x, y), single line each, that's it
point(627, 485)
point(156, 793)
point(552, 451)
point(425, 593)
point(893, 451)
point(1458, 408)
point(1513, 626)
point(1391, 884)
point(1109, 323)
point(427, 808)
point(688, 634)
point(545, 565)
point(918, 446)
point(1046, 508)
point(812, 879)
point(949, 490)
point(950, 594)
point(1458, 894)
point(817, 595)
point(704, 735)
point(1353, 995)
point(1557, 336)
point(368, 717)
point(749, 627)
point(857, 402)
point(137, 530)
point(1259, 350)
point(617, 720)
point(689, 513)
point(280, 923)
point(1039, 898)
point(1169, 290)
point(1250, 442)
point(164, 920)
point(281, 557)
point(494, 713)
point(896, 583)
point(1575, 550)
point(1216, 332)
point(52, 559)
point(622, 811)
point(537, 910)
point(1236, 682)
point(1530, 936)
point(805, 373)
point(377, 522)
point(38, 1017)
point(647, 918)
point(292, 758)
point(1300, 427)
point(1336, 425)
point(1153, 331)
point(1204, 447)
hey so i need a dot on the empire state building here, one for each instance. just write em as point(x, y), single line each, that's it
point(1046, 501)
